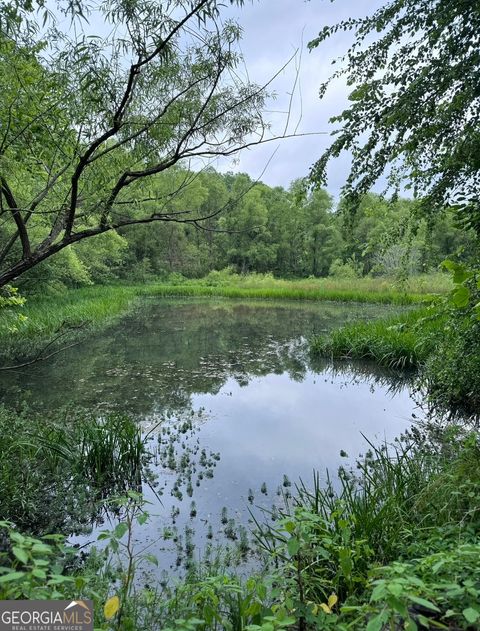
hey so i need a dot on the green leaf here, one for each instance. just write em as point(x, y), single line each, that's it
point(471, 614)
point(378, 592)
point(424, 620)
point(120, 529)
point(152, 559)
point(21, 554)
point(42, 548)
point(12, 576)
point(460, 272)
point(424, 603)
point(104, 535)
point(461, 296)
point(397, 605)
point(16, 536)
point(376, 624)
point(289, 526)
point(293, 546)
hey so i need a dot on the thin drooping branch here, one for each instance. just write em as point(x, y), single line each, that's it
point(149, 125)
point(41, 356)
point(17, 217)
point(119, 114)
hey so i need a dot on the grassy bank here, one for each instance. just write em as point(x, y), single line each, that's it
point(67, 315)
point(403, 341)
point(421, 284)
point(76, 311)
point(292, 291)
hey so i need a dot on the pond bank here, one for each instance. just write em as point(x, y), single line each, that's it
point(72, 314)
point(380, 548)
point(400, 341)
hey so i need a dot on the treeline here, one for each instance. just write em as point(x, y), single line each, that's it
point(252, 227)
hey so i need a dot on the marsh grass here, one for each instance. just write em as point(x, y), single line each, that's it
point(111, 451)
point(67, 316)
point(434, 283)
point(56, 470)
point(292, 292)
point(403, 341)
point(71, 315)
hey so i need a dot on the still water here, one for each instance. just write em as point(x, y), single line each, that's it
point(236, 409)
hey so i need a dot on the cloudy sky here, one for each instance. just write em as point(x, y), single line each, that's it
point(273, 31)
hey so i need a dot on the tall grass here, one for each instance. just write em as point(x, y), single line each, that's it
point(434, 283)
point(403, 341)
point(110, 453)
point(291, 292)
point(66, 315)
point(55, 470)
point(70, 314)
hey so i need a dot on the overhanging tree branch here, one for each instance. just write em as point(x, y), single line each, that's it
point(121, 124)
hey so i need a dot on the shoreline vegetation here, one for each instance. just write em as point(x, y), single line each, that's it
point(73, 313)
point(392, 544)
point(403, 341)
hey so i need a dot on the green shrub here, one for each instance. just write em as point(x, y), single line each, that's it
point(415, 499)
point(440, 590)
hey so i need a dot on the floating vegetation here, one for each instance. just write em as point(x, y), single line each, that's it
point(243, 544)
point(274, 515)
point(230, 530)
point(263, 488)
point(176, 453)
point(189, 545)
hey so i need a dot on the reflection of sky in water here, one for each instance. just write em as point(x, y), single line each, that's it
point(278, 423)
point(268, 409)
point(275, 426)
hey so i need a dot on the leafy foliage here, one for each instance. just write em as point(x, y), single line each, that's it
point(414, 104)
point(91, 121)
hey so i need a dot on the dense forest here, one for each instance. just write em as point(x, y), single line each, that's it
point(292, 233)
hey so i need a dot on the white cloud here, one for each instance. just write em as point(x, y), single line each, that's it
point(273, 30)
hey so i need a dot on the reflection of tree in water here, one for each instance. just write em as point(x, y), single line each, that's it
point(357, 371)
point(158, 357)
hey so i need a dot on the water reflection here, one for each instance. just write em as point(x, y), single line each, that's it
point(158, 357)
point(238, 401)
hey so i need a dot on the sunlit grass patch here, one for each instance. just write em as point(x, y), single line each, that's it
point(291, 292)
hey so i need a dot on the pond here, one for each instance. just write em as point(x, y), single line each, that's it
point(235, 408)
